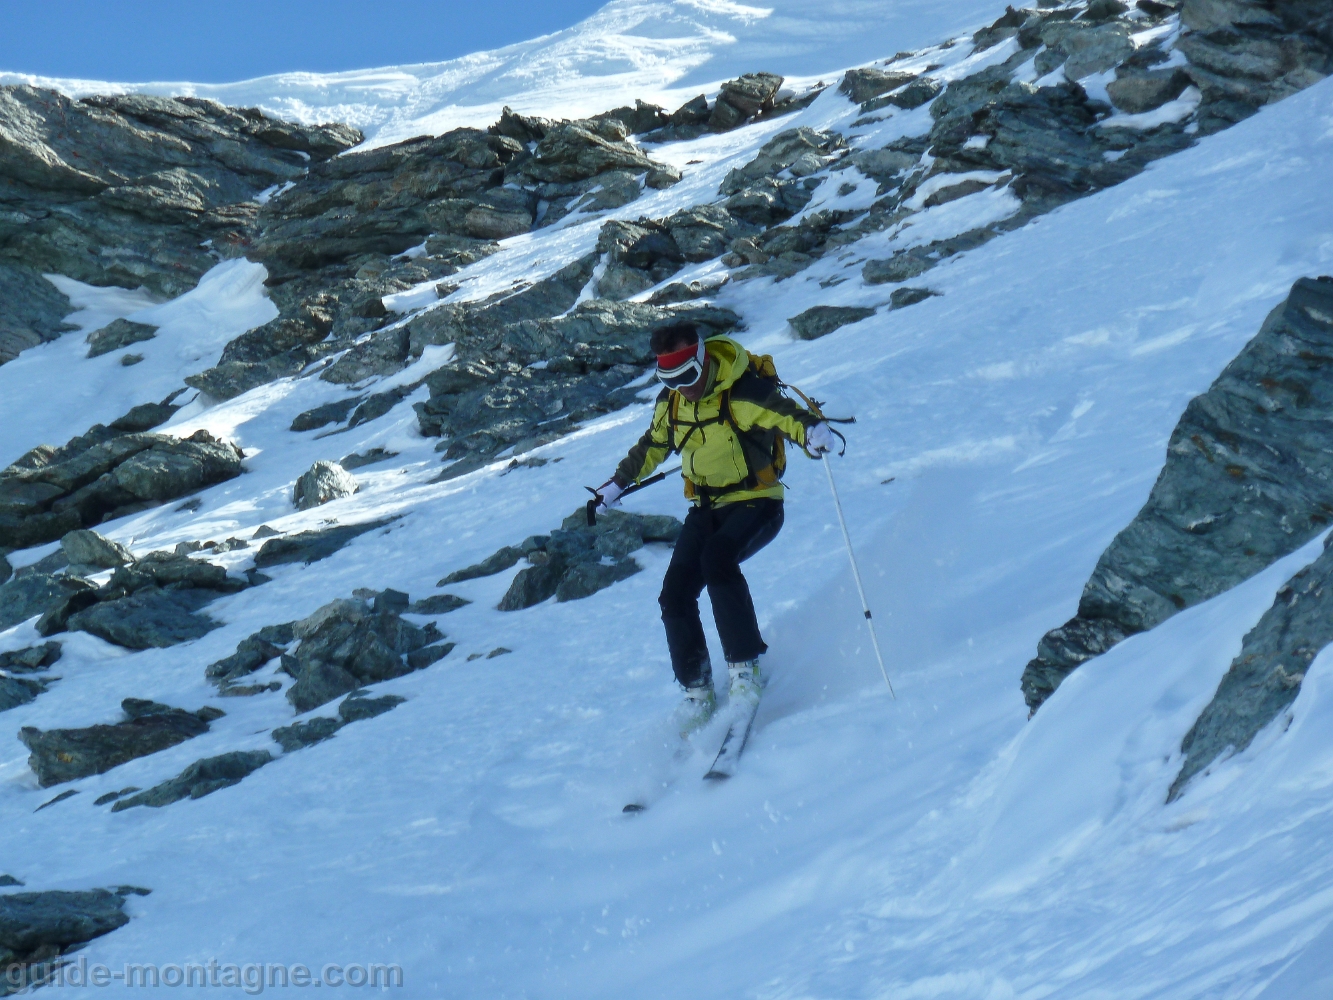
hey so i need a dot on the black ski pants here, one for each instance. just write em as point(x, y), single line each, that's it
point(711, 547)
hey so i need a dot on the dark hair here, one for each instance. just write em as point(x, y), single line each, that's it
point(673, 337)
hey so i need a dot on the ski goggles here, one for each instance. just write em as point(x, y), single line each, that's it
point(682, 368)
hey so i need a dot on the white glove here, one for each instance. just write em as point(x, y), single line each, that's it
point(819, 439)
point(609, 492)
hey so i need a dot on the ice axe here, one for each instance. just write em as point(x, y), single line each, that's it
point(597, 497)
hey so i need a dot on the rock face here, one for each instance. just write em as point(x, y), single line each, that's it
point(345, 645)
point(88, 548)
point(102, 475)
point(1266, 677)
point(1248, 478)
point(757, 194)
point(311, 546)
point(132, 190)
point(203, 777)
point(59, 755)
point(39, 926)
point(322, 482)
point(117, 334)
point(818, 321)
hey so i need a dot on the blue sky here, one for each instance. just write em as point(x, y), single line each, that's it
point(136, 41)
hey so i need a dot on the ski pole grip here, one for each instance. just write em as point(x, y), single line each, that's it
point(592, 510)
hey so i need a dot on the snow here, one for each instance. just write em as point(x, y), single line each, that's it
point(937, 846)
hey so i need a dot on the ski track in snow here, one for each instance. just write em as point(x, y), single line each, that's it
point(939, 846)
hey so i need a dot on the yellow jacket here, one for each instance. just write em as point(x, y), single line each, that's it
point(720, 465)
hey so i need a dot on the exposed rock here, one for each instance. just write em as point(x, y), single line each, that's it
point(862, 84)
point(575, 151)
point(322, 482)
point(40, 926)
point(117, 334)
point(742, 99)
point(442, 604)
point(34, 309)
point(201, 778)
point(251, 654)
point(328, 413)
point(88, 548)
point(60, 755)
point(817, 321)
point(6, 570)
point(103, 475)
point(345, 645)
point(132, 190)
point(31, 658)
point(1248, 478)
point(758, 196)
point(312, 546)
point(368, 457)
point(382, 353)
point(150, 618)
point(15, 691)
point(902, 297)
point(1266, 676)
point(492, 564)
point(355, 707)
point(421, 658)
point(1137, 92)
point(577, 560)
point(30, 594)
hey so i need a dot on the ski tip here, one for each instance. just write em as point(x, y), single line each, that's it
point(716, 776)
point(634, 807)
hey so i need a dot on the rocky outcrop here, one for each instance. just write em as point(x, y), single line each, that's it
point(60, 755)
point(576, 560)
point(531, 381)
point(322, 482)
point(347, 644)
point(312, 546)
point(31, 658)
point(777, 183)
point(749, 97)
point(103, 475)
point(203, 777)
point(131, 190)
point(117, 334)
point(355, 707)
point(30, 665)
point(1248, 478)
point(638, 255)
point(36, 928)
point(1266, 677)
point(819, 321)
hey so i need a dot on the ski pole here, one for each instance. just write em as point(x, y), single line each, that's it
point(597, 497)
point(856, 574)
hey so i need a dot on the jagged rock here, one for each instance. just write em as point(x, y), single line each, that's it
point(345, 645)
point(15, 691)
point(1137, 92)
point(60, 755)
point(328, 413)
point(150, 618)
point(117, 334)
point(419, 659)
point(105, 472)
point(146, 416)
point(312, 546)
point(758, 196)
point(743, 98)
point(88, 548)
point(31, 658)
point(442, 604)
point(251, 654)
point(569, 563)
point(29, 594)
point(6, 570)
point(356, 706)
point(38, 926)
point(1248, 478)
point(1266, 676)
point(382, 353)
point(496, 563)
point(641, 118)
point(900, 268)
point(817, 321)
point(201, 778)
point(368, 457)
point(862, 84)
point(304, 734)
point(322, 482)
point(903, 297)
point(1088, 48)
point(576, 151)
point(132, 190)
point(34, 309)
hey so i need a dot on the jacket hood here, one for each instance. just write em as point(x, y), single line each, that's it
point(732, 361)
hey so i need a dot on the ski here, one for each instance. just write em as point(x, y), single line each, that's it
point(733, 745)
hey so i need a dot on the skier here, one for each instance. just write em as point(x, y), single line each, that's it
point(723, 411)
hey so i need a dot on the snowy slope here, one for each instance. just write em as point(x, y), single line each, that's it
point(937, 846)
point(664, 51)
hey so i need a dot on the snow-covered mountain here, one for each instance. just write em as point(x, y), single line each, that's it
point(1015, 282)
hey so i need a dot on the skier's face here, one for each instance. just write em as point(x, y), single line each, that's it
point(695, 392)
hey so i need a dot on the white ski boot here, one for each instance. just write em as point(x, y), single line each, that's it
point(697, 708)
point(746, 683)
